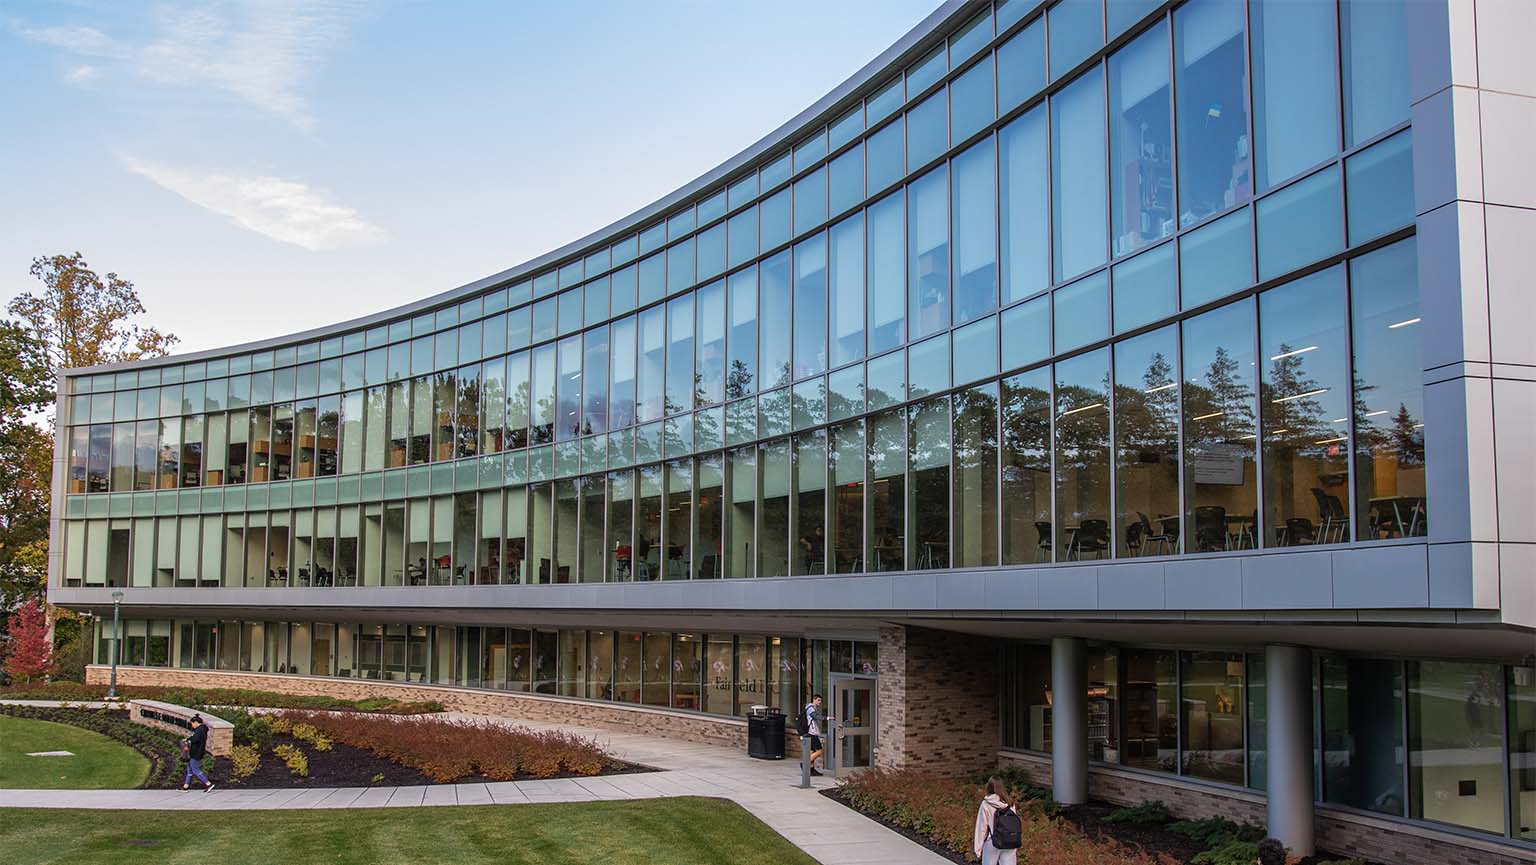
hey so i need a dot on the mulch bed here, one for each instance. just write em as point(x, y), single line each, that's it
point(346, 766)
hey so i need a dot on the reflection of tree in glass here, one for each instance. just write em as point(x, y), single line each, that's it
point(1146, 416)
point(1219, 407)
point(738, 382)
point(1293, 416)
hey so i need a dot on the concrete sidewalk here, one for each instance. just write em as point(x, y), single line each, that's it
point(769, 790)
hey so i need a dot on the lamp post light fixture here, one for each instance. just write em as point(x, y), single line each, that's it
point(117, 602)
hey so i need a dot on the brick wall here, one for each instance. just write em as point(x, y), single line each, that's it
point(937, 702)
point(1344, 833)
point(666, 723)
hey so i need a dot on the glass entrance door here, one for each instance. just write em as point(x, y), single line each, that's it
point(853, 711)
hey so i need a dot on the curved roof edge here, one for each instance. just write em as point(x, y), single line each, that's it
point(911, 43)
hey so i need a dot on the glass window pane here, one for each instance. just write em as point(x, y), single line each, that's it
point(742, 191)
point(1077, 30)
point(1362, 709)
point(709, 377)
point(971, 101)
point(1211, 715)
point(845, 392)
point(1375, 40)
point(928, 252)
point(887, 99)
point(887, 273)
point(1023, 206)
point(680, 266)
point(975, 350)
point(1141, 142)
point(1295, 97)
point(1147, 700)
point(1123, 13)
point(926, 71)
point(1455, 744)
point(846, 128)
point(928, 366)
point(1304, 399)
point(621, 389)
point(1077, 175)
point(774, 319)
point(773, 461)
point(1389, 394)
point(1082, 312)
point(810, 151)
point(1212, 87)
point(1216, 260)
point(846, 180)
point(845, 529)
point(810, 306)
point(774, 221)
point(1021, 65)
point(927, 130)
point(810, 503)
point(742, 342)
point(711, 252)
point(887, 478)
point(928, 457)
point(1147, 444)
point(679, 395)
point(1026, 467)
point(887, 380)
point(887, 162)
point(1220, 499)
point(975, 232)
point(975, 475)
point(1300, 224)
point(846, 290)
point(1522, 751)
point(1380, 185)
point(1145, 290)
point(969, 39)
point(1027, 333)
point(741, 236)
point(810, 201)
point(774, 173)
point(1082, 456)
point(649, 382)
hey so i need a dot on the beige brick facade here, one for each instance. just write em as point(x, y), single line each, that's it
point(1345, 833)
point(937, 701)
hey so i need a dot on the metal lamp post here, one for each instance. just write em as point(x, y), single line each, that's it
point(117, 602)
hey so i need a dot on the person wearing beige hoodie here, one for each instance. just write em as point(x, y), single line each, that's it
point(982, 841)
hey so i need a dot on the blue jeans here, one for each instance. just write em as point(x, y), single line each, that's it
point(194, 767)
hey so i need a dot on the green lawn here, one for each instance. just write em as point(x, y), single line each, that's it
point(99, 763)
point(681, 831)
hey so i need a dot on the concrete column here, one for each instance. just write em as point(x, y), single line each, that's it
point(1069, 720)
point(1288, 746)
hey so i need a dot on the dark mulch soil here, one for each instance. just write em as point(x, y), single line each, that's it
point(836, 795)
point(346, 766)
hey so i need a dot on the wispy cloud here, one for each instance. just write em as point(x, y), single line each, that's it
point(259, 51)
point(81, 75)
point(282, 209)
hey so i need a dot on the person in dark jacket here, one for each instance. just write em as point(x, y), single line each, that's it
point(196, 747)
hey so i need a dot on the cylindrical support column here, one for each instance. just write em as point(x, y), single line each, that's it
point(1069, 720)
point(1288, 746)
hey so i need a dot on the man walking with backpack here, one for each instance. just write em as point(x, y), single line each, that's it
point(809, 724)
point(999, 831)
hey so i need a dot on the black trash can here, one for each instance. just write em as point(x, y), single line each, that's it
point(765, 733)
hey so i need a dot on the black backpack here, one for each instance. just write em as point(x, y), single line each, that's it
point(1007, 829)
point(802, 723)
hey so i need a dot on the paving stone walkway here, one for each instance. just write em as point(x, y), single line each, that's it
point(769, 790)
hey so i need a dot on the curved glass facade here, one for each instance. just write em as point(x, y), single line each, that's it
point(919, 336)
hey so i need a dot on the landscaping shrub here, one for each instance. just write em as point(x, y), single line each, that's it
point(1230, 853)
point(298, 764)
point(1152, 813)
point(253, 730)
point(944, 811)
point(246, 759)
point(161, 747)
point(450, 750)
point(309, 733)
point(1216, 832)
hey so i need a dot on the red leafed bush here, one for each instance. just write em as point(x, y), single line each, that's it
point(446, 750)
point(944, 811)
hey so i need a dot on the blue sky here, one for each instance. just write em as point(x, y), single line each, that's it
point(259, 168)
